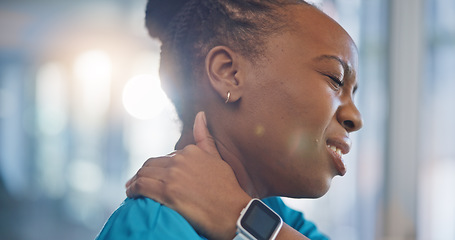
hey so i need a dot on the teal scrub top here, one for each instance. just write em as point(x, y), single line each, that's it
point(143, 218)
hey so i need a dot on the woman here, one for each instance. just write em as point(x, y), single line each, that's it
point(275, 80)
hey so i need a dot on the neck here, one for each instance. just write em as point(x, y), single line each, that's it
point(230, 158)
point(241, 172)
point(186, 138)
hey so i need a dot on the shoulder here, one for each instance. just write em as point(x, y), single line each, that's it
point(143, 218)
point(294, 218)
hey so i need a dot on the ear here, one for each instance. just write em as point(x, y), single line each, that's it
point(224, 73)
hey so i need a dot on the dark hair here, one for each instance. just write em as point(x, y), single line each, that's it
point(188, 29)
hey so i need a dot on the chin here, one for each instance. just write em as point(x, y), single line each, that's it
point(315, 189)
point(320, 193)
point(318, 187)
point(317, 193)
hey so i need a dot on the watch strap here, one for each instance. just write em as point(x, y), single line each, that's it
point(241, 236)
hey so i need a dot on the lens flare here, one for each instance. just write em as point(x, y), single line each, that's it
point(143, 97)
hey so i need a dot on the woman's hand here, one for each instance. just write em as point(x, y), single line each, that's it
point(195, 182)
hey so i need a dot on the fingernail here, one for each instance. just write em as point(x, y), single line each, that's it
point(204, 119)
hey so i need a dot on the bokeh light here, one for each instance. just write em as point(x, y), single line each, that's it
point(51, 92)
point(93, 64)
point(143, 97)
point(93, 72)
point(85, 176)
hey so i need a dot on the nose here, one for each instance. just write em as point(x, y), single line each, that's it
point(349, 117)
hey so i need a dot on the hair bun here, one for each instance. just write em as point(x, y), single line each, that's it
point(159, 14)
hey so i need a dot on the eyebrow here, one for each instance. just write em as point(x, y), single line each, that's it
point(347, 69)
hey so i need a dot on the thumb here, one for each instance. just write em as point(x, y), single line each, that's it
point(202, 136)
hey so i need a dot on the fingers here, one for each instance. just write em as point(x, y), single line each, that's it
point(202, 136)
point(128, 183)
point(147, 182)
point(159, 161)
point(152, 178)
point(146, 187)
point(147, 168)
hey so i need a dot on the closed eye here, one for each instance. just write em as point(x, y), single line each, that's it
point(336, 82)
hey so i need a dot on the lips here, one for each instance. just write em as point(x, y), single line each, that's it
point(337, 148)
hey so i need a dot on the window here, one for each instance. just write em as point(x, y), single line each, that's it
point(437, 171)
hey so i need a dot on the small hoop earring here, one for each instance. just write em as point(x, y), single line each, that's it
point(228, 96)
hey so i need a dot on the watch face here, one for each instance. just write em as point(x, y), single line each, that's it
point(260, 221)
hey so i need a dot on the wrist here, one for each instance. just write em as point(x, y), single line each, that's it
point(257, 221)
point(236, 210)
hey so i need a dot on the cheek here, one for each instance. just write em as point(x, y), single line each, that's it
point(290, 112)
point(304, 122)
point(289, 129)
point(300, 143)
point(294, 128)
point(310, 107)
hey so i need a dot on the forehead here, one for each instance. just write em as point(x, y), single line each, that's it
point(317, 34)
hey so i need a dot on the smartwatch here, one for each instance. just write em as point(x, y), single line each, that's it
point(258, 222)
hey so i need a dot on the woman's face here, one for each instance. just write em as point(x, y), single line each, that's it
point(298, 108)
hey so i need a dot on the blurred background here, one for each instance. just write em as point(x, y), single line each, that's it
point(81, 109)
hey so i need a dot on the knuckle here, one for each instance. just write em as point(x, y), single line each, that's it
point(140, 173)
point(190, 148)
point(140, 184)
point(148, 161)
point(177, 158)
